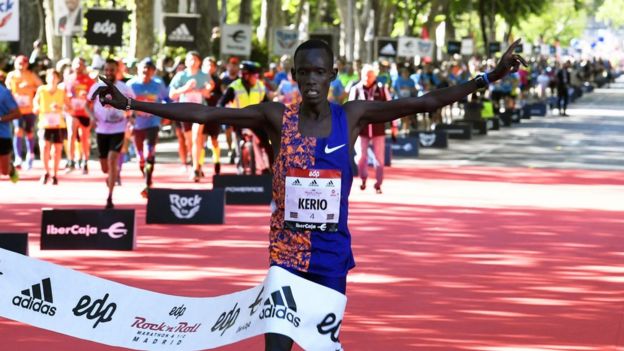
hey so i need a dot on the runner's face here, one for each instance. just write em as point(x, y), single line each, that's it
point(371, 77)
point(233, 69)
point(192, 62)
point(78, 65)
point(110, 71)
point(52, 79)
point(313, 72)
point(21, 64)
point(251, 78)
point(146, 73)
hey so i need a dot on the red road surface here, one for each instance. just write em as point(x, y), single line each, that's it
point(448, 258)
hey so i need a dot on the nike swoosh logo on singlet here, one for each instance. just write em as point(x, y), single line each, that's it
point(329, 150)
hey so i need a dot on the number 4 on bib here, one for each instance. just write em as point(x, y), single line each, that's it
point(312, 200)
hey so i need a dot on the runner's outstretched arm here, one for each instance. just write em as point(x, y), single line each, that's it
point(365, 112)
point(253, 116)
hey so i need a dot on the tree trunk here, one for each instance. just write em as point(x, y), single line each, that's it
point(437, 7)
point(244, 15)
point(492, 22)
point(223, 14)
point(364, 19)
point(509, 33)
point(171, 6)
point(53, 42)
point(28, 26)
point(208, 11)
point(142, 25)
point(299, 14)
point(383, 20)
point(303, 24)
point(450, 26)
point(269, 20)
point(346, 10)
point(484, 28)
point(263, 28)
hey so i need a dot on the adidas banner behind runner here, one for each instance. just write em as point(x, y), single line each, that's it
point(181, 29)
point(59, 299)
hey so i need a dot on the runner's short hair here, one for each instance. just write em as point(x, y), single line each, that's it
point(111, 61)
point(315, 44)
point(194, 53)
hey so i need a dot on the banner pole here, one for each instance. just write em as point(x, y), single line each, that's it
point(67, 47)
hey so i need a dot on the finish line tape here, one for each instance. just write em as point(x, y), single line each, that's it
point(65, 301)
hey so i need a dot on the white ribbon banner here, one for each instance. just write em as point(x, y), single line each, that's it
point(59, 299)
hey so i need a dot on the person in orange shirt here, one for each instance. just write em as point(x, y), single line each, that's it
point(23, 83)
point(50, 104)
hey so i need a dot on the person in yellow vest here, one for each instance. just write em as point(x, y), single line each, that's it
point(245, 91)
point(50, 104)
point(487, 109)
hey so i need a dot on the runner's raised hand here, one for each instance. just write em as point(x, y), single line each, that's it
point(509, 62)
point(110, 95)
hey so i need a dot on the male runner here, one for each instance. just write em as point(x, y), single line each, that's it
point(192, 85)
point(8, 112)
point(369, 88)
point(77, 85)
point(312, 142)
point(210, 67)
point(110, 128)
point(23, 83)
point(232, 73)
point(50, 103)
point(146, 126)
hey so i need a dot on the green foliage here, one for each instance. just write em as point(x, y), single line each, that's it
point(80, 46)
point(609, 11)
point(259, 52)
point(513, 11)
point(559, 21)
point(530, 19)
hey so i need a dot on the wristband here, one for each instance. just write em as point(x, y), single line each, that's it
point(128, 105)
point(480, 81)
point(485, 78)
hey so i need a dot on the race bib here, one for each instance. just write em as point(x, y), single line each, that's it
point(193, 96)
point(114, 116)
point(23, 100)
point(312, 200)
point(52, 119)
point(78, 104)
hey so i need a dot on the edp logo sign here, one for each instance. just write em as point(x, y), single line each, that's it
point(105, 27)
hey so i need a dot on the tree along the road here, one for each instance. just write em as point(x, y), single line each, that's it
point(358, 20)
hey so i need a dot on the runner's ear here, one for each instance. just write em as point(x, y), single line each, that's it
point(292, 73)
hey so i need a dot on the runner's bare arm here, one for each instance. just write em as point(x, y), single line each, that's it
point(13, 114)
point(365, 112)
point(254, 116)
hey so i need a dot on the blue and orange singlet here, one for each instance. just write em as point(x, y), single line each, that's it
point(304, 175)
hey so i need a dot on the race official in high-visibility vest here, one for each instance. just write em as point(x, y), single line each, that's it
point(246, 94)
point(245, 91)
point(487, 109)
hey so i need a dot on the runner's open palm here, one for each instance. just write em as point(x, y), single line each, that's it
point(110, 95)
